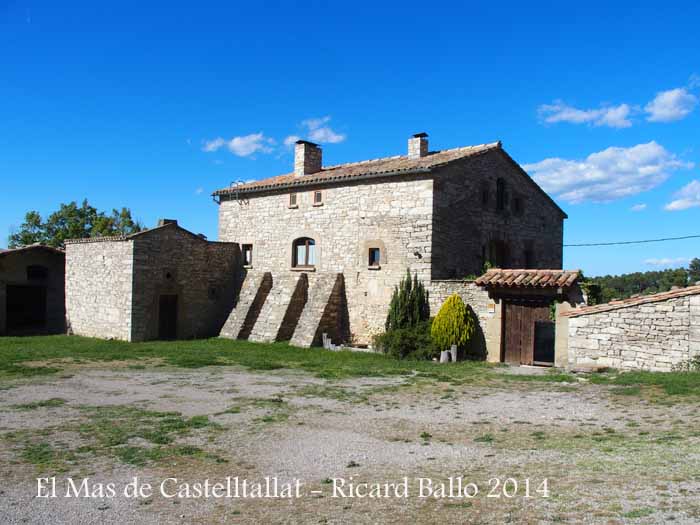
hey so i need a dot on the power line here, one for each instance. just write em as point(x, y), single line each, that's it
point(634, 242)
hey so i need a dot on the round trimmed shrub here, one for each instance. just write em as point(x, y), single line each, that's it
point(453, 325)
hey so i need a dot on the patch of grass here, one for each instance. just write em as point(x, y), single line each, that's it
point(47, 403)
point(549, 377)
point(486, 438)
point(15, 352)
point(332, 392)
point(639, 513)
point(669, 383)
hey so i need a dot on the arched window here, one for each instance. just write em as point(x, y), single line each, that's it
point(304, 253)
point(500, 194)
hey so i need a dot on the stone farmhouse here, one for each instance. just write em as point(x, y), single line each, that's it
point(32, 291)
point(324, 246)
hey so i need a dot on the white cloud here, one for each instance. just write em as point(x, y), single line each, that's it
point(319, 132)
point(611, 116)
point(671, 105)
point(290, 140)
point(606, 175)
point(667, 261)
point(687, 197)
point(242, 146)
point(199, 191)
point(639, 207)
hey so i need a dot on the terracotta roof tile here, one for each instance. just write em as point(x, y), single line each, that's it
point(401, 164)
point(520, 278)
point(633, 301)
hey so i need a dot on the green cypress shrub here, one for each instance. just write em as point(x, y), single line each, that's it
point(409, 304)
point(453, 325)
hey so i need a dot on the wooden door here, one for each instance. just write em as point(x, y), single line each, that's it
point(519, 318)
point(167, 317)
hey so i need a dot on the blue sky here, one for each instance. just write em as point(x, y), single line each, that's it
point(154, 107)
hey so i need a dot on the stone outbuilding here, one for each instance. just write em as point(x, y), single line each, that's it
point(32, 290)
point(162, 283)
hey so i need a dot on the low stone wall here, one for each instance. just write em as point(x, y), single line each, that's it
point(649, 333)
point(487, 340)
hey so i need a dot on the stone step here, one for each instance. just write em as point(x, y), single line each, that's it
point(254, 290)
point(325, 312)
point(283, 297)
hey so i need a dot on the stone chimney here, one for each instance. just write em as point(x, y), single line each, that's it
point(418, 146)
point(307, 158)
point(163, 222)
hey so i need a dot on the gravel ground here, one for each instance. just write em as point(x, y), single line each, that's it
point(607, 458)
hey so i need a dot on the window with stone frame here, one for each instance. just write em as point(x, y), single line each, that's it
point(318, 198)
point(293, 200)
point(247, 254)
point(518, 205)
point(304, 253)
point(374, 259)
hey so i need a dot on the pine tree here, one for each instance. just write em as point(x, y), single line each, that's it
point(409, 304)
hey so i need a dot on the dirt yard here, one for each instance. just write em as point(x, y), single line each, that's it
point(608, 454)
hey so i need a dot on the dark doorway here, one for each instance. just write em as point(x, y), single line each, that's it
point(26, 308)
point(167, 317)
point(544, 343)
point(519, 319)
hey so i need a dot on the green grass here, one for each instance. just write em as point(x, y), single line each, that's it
point(639, 513)
point(48, 403)
point(53, 352)
point(640, 383)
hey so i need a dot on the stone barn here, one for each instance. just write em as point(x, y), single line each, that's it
point(324, 246)
point(32, 291)
point(162, 283)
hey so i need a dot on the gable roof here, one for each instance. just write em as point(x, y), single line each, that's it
point(520, 278)
point(31, 247)
point(375, 168)
point(132, 236)
point(634, 301)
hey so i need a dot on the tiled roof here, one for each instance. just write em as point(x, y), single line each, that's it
point(398, 165)
point(36, 246)
point(507, 278)
point(634, 301)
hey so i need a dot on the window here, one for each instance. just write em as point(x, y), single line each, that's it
point(529, 259)
point(292, 200)
point(484, 196)
point(374, 257)
point(318, 198)
point(247, 254)
point(304, 253)
point(518, 205)
point(498, 254)
point(500, 194)
point(37, 273)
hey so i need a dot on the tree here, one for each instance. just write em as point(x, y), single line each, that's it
point(453, 324)
point(694, 271)
point(73, 222)
point(409, 304)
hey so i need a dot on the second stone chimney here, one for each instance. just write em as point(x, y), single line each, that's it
point(418, 146)
point(307, 158)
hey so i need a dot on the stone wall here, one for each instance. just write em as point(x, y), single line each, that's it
point(99, 285)
point(13, 272)
point(465, 222)
point(648, 336)
point(394, 216)
point(204, 275)
point(487, 338)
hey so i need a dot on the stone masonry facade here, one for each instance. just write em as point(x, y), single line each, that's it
point(652, 333)
point(441, 216)
point(114, 285)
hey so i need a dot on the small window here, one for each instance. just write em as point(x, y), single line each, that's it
point(37, 273)
point(247, 254)
point(304, 253)
point(374, 257)
point(529, 259)
point(292, 200)
point(318, 198)
point(485, 196)
point(500, 194)
point(518, 205)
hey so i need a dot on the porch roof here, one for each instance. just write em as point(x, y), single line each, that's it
point(525, 278)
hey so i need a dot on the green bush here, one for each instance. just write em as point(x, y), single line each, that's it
point(453, 325)
point(409, 304)
point(407, 343)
